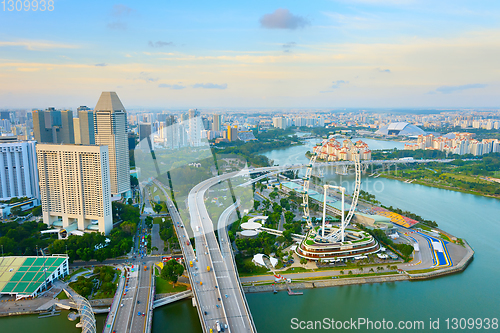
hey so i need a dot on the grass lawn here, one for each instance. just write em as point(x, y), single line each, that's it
point(496, 174)
point(62, 295)
point(446, 238)
point(423, 227)
point(100, 295)
point(163, 286)
point(346, 275)
point(256, 270)
point(297, 270)
point(471, 179)
point(158, 220)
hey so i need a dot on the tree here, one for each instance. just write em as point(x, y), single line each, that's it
point(342, 272)
point(289, 216)
point(267, 204)
point(303, 261)
point(134, 181)
point(256, 204)
point(154, 248)
point(157, 208)
point(37, 211)
point(16, 211)
point(285, 203)
point(130, 201)
point(128, 227)
point(149, 222)
point(171, 271)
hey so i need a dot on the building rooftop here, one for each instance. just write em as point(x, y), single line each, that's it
point(400, 128)
point(23, 275)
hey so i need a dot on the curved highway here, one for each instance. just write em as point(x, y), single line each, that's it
point(217, 286)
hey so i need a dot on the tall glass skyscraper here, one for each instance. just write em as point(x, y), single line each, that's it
point(53, 126)
point(110, 125)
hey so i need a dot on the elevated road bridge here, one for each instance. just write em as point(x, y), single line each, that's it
point(214, 277)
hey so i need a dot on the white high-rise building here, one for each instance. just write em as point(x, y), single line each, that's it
point(75, 187)
point(279, 122)
point(18, 170)
point(195, 127)
point(111, 130)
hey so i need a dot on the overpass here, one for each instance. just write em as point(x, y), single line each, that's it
point(222, 279)
point(275, 232)
point(203, 282)
point(172, 298)
point(233, 305)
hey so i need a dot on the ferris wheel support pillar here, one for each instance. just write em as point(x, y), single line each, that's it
point(343, 214)
point(324, 210)
point(342, 224)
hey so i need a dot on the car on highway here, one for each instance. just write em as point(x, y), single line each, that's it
point(139, 313)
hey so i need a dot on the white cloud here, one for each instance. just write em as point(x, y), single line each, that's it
point(281, 18)
point(39, 45)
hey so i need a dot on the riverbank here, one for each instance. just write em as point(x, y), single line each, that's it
point(325, 283)
point(403, 276)
point(444, 187)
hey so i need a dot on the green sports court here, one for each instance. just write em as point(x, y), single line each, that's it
point(25, 276)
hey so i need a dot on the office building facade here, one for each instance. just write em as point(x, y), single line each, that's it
point(232, 133)
point(86, 123)
point(75, 187)
point(110, 124)
point(145, 136)
point(53, 126)
point(18, 170)
point(216, 122)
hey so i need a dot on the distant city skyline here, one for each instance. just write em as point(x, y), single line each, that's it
point(327, 54)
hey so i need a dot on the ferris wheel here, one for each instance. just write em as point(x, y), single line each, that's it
point(357, 186)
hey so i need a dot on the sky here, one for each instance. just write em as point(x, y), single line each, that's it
point(265, 54)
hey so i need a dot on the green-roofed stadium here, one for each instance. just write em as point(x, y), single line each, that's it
point(28, 276)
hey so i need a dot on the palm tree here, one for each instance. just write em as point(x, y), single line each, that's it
point(371, 270)
point(342, 272)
